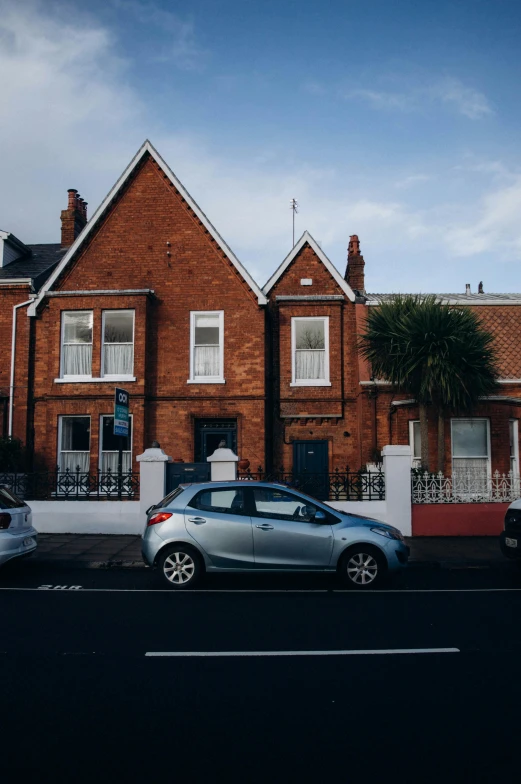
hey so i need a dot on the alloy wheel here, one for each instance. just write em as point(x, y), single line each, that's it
point(362, 568)
point(179, 568)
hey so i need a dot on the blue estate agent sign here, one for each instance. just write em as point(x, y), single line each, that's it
point(121, 399)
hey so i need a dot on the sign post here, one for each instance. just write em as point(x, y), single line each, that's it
point(121, 420)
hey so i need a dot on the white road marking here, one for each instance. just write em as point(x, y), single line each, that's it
point(369, 652)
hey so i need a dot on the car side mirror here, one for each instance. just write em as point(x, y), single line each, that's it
point(320, 516)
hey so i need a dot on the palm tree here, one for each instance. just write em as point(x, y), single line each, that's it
point(440, 354)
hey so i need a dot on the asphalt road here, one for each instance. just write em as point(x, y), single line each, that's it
point(318, 685)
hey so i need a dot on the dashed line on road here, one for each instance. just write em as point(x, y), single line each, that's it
point(367, 652)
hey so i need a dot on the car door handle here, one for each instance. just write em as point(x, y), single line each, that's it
point(197, 520)
point(265, 527)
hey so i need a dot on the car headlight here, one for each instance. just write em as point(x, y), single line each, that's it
point(390, 533)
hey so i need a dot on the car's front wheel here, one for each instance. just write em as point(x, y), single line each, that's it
point(180, 567)
point(362, 567)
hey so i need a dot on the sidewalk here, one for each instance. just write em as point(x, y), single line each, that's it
point(90, 551)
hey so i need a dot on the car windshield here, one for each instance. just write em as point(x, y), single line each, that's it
point(8, 500)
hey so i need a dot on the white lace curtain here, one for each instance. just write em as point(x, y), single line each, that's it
point(310, 364)
point(109, 461)
point(77, 359)
point(118, 359)
point(206, 361)
point(470, 470)
point(71, 461)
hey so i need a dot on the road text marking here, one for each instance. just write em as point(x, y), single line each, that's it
point(374, 652)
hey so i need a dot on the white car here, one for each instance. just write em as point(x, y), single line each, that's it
point(17, 535)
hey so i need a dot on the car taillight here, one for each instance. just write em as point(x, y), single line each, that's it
point(5, 520)
point(160, 517)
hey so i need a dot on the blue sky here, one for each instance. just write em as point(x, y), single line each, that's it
point(398, 121)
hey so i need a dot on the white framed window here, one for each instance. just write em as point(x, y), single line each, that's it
point(415, 442)
point(74, 443)
point(310, 351)
point(76, 344)
point(117, 354)
point(206, 347)
point(471, 449)
point(109, 446)
point(513, 428)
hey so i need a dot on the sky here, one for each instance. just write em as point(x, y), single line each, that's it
point(397, 121)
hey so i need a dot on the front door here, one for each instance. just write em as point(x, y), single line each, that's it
point(284, 534)
point(217, 520)
point(208, 435)
point(311, 468)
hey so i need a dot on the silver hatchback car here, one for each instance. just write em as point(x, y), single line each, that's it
point(264, 527)
point(17, 535)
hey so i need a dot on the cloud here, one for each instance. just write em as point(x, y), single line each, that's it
point(450, 91)
point(411, 180)
point(174, 37)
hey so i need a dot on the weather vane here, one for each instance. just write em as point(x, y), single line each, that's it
point(293, 205)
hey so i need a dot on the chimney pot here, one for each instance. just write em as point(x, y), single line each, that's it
point(74, 218)
point(480, 287)
point(467, 288)
point(355, 276)
point(72, 198)
point(354, 246)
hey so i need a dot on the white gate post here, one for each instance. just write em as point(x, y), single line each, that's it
point(152, 476)
point(223, 465)
point(397, 469)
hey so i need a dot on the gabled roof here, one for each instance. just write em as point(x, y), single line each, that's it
point(455, 298)
point(36, 264)
point(146, 148)
point(307, 238)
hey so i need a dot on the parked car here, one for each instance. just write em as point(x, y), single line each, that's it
point(510, 538)
point(18, 538)
point(264, 527)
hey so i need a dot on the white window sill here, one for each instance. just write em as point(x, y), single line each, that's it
point(316, 383)
point(206, 381)
point(91, 380)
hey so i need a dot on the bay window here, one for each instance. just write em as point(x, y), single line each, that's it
point(74, 443)
point(207, 347)
point(109, 447)
point(118, 343)
point(76, 347)
point(310, 351)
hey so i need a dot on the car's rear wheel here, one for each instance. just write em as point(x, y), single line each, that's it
point(180, 567)
point(362, 567)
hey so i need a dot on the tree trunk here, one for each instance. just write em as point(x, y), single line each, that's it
point(441, 441)
point(424, 437)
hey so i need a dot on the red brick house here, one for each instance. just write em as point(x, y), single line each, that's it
point(146, 295)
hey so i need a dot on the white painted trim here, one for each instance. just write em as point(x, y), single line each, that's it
point(15, 281)
point(71, 416)
point(62, 331)
point(414, 458)
point(145, 148)
point(509, 381)
point(13, 358)
point(207, 379)
point(310, 382)
point(376, 383)
point(515, 438)
point(92, 380)
point(109, 376)
point(306, 237)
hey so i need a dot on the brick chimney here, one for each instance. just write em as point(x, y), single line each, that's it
point(73, 218)
point(355, 265)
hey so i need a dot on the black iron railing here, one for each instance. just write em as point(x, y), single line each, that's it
point(72, 485)
point(337, 485)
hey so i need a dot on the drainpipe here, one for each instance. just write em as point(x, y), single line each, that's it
point(13, 357)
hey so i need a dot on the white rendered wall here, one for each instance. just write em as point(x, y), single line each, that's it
point(375, 509)
point(87, 517)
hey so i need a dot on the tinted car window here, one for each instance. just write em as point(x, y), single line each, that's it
point(229, 501)
point(276, 504)
point(8, 500)
point(169, 498)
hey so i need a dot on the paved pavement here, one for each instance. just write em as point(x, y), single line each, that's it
point(97, 551)
point(414, 684)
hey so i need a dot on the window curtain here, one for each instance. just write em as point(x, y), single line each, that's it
point(310, 364)
point(109, 461)
point(206, 361)
point(470, 472)
point(118, 359)
point(77, 359)
point(71, 461)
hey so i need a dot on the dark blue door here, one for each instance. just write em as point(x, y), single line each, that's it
point(185, 473)
point(311, 468)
